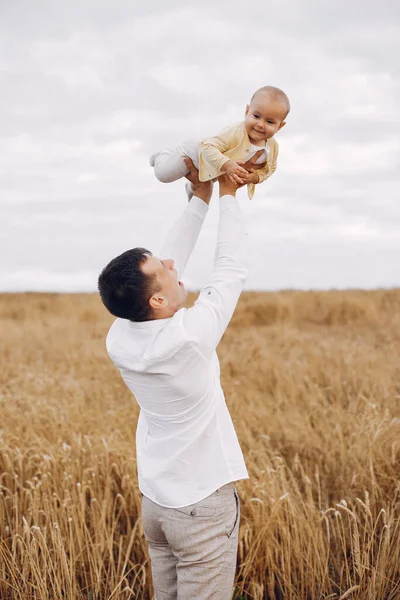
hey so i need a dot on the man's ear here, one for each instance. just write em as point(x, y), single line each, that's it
point(282, 125)
point(157, 301)
point(247, 109)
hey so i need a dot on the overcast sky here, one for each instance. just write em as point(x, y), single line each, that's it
point(90, 88)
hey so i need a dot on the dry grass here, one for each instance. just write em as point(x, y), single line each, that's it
point(312, 381)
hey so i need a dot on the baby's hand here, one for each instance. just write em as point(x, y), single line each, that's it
point(235, 172)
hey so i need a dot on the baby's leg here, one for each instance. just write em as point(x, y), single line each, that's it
point(169, 164)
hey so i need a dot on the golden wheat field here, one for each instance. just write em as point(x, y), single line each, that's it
point(312, 381)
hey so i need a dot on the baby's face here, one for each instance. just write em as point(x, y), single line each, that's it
point(264, 117)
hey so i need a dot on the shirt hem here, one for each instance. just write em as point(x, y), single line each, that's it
point(223, 482)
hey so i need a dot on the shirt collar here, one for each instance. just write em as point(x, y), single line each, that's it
point(153, 324)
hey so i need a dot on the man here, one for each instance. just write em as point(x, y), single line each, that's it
point(188, 454)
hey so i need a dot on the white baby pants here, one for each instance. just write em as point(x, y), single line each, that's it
point(169, 165)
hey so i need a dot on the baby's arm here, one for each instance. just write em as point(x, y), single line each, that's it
point(212, 150)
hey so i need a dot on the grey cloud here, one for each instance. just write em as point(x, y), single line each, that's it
point(90, 89)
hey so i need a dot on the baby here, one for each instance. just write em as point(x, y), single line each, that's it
point(227, 151)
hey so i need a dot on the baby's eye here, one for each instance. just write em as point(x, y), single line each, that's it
point(256, 116)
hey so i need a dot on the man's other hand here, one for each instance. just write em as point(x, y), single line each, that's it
point(252, 178)
point(201, 189)
point(228, 187)
point(251, 165)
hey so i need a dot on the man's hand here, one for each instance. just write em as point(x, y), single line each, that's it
point(251, 178)
point(235, 172)
point(251, 165)
point(229, 187)
point(201, 189)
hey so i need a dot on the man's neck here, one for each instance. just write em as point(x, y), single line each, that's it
point(162, 313)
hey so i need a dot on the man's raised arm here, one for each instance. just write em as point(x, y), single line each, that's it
point(206, 322)
point(184, 233)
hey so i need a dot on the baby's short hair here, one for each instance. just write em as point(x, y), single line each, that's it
point(276, 94)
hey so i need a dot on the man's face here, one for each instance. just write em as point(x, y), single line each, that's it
point(169, 288)
point(264, 117)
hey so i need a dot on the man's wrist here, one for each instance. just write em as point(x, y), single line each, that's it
point(226, 191)
point(203, 191)
point(226, 186)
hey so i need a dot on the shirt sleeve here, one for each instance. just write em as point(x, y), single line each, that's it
point(183, 235)
point(207, 320)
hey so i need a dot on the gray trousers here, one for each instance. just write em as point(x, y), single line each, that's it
point(193, 549)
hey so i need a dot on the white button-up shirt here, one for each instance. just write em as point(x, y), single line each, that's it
point(186, 443)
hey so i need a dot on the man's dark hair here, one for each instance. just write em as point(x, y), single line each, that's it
point(124, 289)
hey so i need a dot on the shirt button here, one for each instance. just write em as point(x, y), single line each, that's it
point(247, 150)
point(192, 513)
